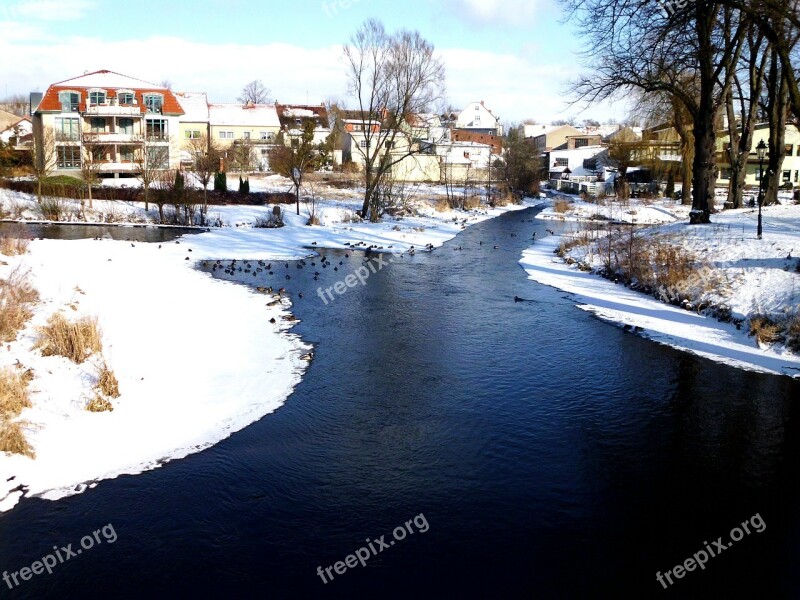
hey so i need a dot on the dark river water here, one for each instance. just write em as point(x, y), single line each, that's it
point(544, 453)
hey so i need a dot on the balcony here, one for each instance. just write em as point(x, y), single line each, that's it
point(113, 110)
point(110, 138)
point(119, 167)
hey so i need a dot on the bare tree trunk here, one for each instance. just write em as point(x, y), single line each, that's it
point(777, 109)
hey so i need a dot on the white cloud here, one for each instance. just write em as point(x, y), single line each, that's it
point(515, 87)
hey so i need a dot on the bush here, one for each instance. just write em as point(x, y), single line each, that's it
point(13, 392)
point(12, 438)
point(76, 340)
point(221, 182)
point(766, 330)
point(244, 186)
point(15, 240)
point(561, 206)
point(99, 404)
point(51, 208)
point(16, 296)
point(107, 383)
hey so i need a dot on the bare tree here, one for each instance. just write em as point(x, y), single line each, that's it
point(295, 160)
point(254, 93)
point(151, 160)
point(94, 156)
point(44, 158)
point(206, 155)
point(393, 78)
point(640, 47)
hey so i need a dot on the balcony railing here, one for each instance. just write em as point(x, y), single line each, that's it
point(113, 110)
point(99, 137)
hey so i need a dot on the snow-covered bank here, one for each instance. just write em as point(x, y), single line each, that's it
point(197, 358)
point(661, 322)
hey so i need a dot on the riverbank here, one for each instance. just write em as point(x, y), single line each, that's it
point(700, 272)
point(196, 358)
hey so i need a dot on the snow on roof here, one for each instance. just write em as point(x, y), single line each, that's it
point(108, 80)
point(195, 106)
point(298, 113)
point(256, 115)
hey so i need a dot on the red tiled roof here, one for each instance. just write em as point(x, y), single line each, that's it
point(51, 103)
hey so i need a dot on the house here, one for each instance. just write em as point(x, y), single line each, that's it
point(16, 131)
point(579, 169)
point(550, 137)
point(293, 117)
point(493, 141)
point(108, 118)
point(242, 125)
point(790, 168)
point(477, 118)
point(584, 140)
point(361, 134)
point(195, 123)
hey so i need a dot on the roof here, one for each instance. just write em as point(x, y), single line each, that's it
point(249, 115)
point(110, 82)
point(8, 119)
point(287, 113)
point(195, 106)
point(13, 125)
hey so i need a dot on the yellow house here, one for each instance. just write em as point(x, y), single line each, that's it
point(194, 124)
point(790, 169)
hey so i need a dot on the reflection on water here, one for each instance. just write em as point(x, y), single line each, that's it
point(114, 232)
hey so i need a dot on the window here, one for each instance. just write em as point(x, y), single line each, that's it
point(787, 176)
point(68, 157)
point(156, 129)
point(562, 162)
point(125, 126)
point(466, 154)
point(97, 125)
point(125, 98)
point(389, 145)
point(69, 101)
point(226, 135)
point(97, 97)
point(98, 155)
point(154, 103)
point(590, 164)
point(796, 176)
point(295, 143)
point(194, 134)
point(364, 144)
point(789, 149)
point(725, 174)
point(158, 157)
point(264, 135)
point(246, 135)
point(67, 129)
point(126, 153)
point(581, 142)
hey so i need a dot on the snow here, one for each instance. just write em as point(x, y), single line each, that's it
point(758, 277)
point(299, 113)
point(236, 115)
point(194, 105)
point(163, 322)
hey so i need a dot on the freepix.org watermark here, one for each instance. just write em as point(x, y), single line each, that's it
point(332, 7)
point(670, 7)
point(360, 275)
point(59, 556)
point(701, 557)
point(373, 548)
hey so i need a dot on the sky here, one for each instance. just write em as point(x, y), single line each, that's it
point(515, 55)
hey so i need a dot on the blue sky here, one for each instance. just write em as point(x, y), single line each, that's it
point(514, 54)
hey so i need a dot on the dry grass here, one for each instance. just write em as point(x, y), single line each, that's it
point(13, 392)
point(581, 239)
point(793, 333)
point(561, 206)
point(472, 202)
point(15, 240)
point(766, 330)
point(76, 340)
point(107, 383)
point(12, 438)
point(17, 294)
point(441, 205)
point(99, 404)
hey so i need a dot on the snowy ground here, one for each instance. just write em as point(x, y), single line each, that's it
point(753, 277)
point(163, 323)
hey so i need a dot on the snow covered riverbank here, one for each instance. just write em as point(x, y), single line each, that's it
point(197, 358)
point(749, 276)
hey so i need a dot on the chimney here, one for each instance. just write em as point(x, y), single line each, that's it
point(482, 104)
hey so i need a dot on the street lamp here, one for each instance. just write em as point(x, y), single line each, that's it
point(761, 149)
